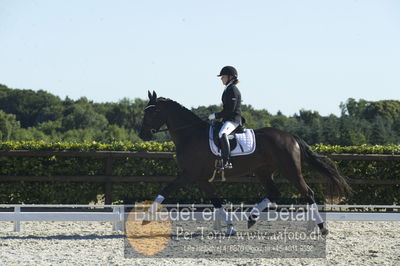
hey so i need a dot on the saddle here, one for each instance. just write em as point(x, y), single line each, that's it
point(216, 127)
point(242, 140)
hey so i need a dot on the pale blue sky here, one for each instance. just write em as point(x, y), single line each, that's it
point(289, 54)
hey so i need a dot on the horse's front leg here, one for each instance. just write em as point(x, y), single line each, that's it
point(211, 193)
point(168, 190)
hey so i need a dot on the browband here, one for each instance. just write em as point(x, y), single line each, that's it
point(149, 106)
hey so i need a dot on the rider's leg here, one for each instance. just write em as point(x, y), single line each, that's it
point(227, 128)
point(225, 151)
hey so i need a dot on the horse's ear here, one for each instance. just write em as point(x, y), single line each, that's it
point(149, 94)
point(154, 95)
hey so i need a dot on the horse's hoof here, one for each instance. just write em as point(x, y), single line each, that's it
point(144, 222)
point(233, 233)
point(324, 231)
point(230, 231)
point(251, 221)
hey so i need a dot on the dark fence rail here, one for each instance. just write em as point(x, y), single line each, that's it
point(96, 154)
point(120, 154)
point(108, 179)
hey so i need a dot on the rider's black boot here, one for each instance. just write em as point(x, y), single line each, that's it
point(225, 152)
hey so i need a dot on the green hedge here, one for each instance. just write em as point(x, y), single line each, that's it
point(74, 193)
point(368, 170)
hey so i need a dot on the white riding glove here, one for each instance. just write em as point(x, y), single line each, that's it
point(211, 117)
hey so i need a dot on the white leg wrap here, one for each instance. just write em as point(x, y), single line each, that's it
point(225, 216)
point(228, 219)
point(230, 230)
point(260, 207)
point(159, 199)
point(153, 208)
point(315, 216)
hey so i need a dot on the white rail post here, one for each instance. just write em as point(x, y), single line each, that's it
point(122, 218)
point(116, 222)
point(17, 223)
point(217, 220)
point(311, 225)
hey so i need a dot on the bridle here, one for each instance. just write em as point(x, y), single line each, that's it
point(147, 126)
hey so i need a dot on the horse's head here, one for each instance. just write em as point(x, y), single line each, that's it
point(153, 118)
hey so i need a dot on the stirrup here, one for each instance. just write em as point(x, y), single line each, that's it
point(228, 165)
point(225, 164)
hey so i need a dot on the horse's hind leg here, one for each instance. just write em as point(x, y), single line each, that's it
point(265, 176)
point(212, 194)
point(292, 171)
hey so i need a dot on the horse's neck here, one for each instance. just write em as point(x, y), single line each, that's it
point(181, 117)
point(182, 127)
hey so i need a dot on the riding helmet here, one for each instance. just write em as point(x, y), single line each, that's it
point(229, 71)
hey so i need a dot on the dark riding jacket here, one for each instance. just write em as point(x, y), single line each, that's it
point(231, 100)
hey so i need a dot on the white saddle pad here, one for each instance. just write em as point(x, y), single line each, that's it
point(246, 141)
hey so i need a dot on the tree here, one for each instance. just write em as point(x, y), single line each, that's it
point(330, 130)
point(204, 111)
point(30, 107)
point(256, 118)
point(353, 131)
point(353, 108)
point(387, 109)
point(32, 133)
point(39, 115)
point(8, 126)
point(114, 133)
point(81, 115)
point(279, 121)
point(381, 131)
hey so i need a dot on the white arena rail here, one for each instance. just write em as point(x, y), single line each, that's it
point(118, 215)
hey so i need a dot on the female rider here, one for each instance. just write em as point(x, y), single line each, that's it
point(231, 113)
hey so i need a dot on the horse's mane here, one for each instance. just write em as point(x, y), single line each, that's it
point(187, 114)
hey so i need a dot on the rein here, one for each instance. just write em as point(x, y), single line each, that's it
point(176, 129)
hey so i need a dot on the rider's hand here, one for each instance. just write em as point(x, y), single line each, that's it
point(211, 117)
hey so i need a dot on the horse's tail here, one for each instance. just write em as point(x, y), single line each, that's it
point(328, 168)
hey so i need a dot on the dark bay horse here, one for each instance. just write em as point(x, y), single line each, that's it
point(276, 151)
